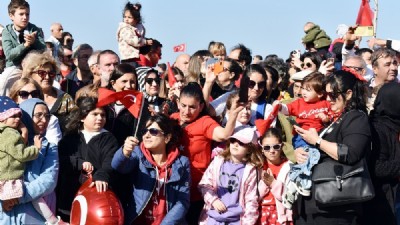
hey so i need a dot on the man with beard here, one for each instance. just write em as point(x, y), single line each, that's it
point(106, 61)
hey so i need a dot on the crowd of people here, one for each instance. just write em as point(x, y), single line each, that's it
point(219, 139)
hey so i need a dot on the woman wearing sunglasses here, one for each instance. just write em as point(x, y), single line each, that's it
point(160, 174)
point(27, 88)
point(42, 68)
point(347, 141)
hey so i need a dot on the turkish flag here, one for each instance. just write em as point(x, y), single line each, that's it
point(180, 48)
point(171, 77)
point(263, 125)
point(131, 99)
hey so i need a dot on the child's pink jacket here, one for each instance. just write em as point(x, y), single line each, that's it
point(248, 199)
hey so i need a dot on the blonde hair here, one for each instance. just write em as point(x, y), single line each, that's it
point(36, 60)
point(19, 84)
point(254, 155)
point(217, 47)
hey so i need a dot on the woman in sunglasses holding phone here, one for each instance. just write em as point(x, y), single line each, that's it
point(42, 68)
point(160, 173)
point(27, 88)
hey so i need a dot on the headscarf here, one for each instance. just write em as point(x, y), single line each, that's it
point(28, 107)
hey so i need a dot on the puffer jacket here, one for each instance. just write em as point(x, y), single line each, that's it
point(130, 39)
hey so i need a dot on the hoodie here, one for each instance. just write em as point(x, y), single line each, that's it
point(28, 107)
point(156, 209)
point(130, 39)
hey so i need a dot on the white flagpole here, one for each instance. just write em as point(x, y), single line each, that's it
point(375, 17)
point(140, 116)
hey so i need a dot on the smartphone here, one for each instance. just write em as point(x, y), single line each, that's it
point(293, 121)
point(244, 89)
point(218, 67)
point(330, 60)
point(211, 61)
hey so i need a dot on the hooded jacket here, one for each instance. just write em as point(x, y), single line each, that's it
point(130, 39)
point(144, 174)
point(317, 36)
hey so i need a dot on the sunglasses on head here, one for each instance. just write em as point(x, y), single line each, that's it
point(333, 95)
point(308, 65)
point(269, 147)
point(44, 73)
point(149, 81)
point(153, 131)
point(260, 85)
point(25, 94)
point(234, 140)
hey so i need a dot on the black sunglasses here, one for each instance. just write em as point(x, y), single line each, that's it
point(25, 94)
point(153, 131)
point(234, 140)
point(149, 81)
point(269, 147)
point(308, 65)
point(260, 85)
point(333, 95)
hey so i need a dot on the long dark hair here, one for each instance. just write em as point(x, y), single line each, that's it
point(193, 90)
point(119, 71)
point(84, 106)
point(168, 126)
point(256, 68)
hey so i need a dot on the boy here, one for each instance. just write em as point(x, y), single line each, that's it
point(20, 37)
point(311, 111)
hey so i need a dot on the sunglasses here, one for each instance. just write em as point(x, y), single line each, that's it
point(234, 140)
point(25, 94)
point(308, 65)
point(149, 81)
point(333, 95)
point(269, 147)
point(43, 73)
point(153, 131)
point(260, 85)
point(41, 115)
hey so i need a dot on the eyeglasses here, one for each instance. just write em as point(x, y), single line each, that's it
point(308, 65)
point(358, 69)
point(269, 147)
point(41, 115)
point(25, 94)
point(149, 81)
point(43, 73)
point(333, 95)
point(260, 85)
point(234, 140)
point(153, 131)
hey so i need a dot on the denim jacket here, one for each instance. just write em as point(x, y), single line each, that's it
point(144, 182)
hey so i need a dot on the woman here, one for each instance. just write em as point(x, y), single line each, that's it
point(347, 141)
point(42, 68)
point(161, 174)
point(199, 132)
point(26, 88)
point(40, 177)
point(150, 86)
point(385, 160)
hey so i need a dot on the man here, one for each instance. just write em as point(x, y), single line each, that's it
point(106, 61)
point(94, 68)
point(241, 54)
point(56, 31)
point(385, 67)
point(182, 63)
point(257, 59)
point(357, 63)
point(81, 76)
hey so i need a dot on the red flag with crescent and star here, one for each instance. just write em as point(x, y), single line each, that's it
point(180, 48)
point(131, 99)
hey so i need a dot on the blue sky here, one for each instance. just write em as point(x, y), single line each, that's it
point(265, 26)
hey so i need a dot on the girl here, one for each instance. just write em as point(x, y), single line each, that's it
point(271, 185)
point(87, 148)
point(131, 33)
point(229, 185)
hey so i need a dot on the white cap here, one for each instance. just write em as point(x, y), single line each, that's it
point(299, 76)
point(245, 134)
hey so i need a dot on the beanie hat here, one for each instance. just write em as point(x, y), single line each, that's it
point(8, 108)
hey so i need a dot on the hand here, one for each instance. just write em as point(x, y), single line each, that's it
point(350, 37)
point(326, 67)
point(165, 108)
point(9, 204)
point(235, 109)
point(324, 118)
point(310, 135)
point(210, 76)
point(129, 145)
point(87, 167)
point(301, 155)
point(277, 102)
point(219, 206)
point(152, 110)
point(268, 177)
point(101, 186)
point(37, 141)
point(30, 39)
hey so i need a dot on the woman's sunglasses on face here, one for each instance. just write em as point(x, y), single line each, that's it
point(153, 131)
point(43, 73)
point(25, 94)
point(307, 65)
point(333, 95)
point(276, 147)
point(149, 81)
point(260, 85)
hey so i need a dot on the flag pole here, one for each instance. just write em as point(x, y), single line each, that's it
point(375, 17)
point(139, 117)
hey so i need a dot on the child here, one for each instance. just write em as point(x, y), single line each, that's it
point(312, 112)
point(14, 154)
point(273, 179)
point(20, 37)
point(229, 185)
point(131, 34)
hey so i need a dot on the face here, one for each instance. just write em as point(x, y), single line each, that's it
point(309, 65)
point(219, 55)
point(235, 56)
point(309, 94)
point(367, 57)
point(256, 91)
point(41, 118)
point(386, 70)
point(124, 83)
point(128, 18)
point(237, 149)
point(297, 89)
point(20, 18)
point(45, 76)
point(244, 115)
point(107, 63)
point(152, 84)
point(26, 92)
point(274, 146)
point(13, 121)
point(355, 64)
point(94, 121)
point(224, 78)
point(82, 61)
point(57, 31)
point(335, 99)
point(67, 57)
point(180, 80)
point(155, 56)
point(189, 108)
point(68, 41)
point(154, 138)
point(182, 63)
